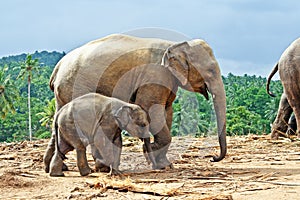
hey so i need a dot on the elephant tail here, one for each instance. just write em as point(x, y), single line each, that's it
point(269, 80)
point(53, 76)
point(55, 126)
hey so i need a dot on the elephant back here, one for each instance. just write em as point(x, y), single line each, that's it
point(98, 65)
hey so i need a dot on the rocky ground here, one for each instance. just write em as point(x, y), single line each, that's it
point(255, 168)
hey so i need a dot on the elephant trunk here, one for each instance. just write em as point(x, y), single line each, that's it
point(149, 152)
point(216, 88)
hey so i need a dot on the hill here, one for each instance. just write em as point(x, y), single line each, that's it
point(45, 58)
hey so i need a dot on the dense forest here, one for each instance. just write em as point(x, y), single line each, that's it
point(249, 108)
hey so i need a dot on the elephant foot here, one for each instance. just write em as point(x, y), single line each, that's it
point(163, 164)
point(65, 167)
point(56, 166)
point(47, 169)
point(115, 172)
point(56, 171)
point(57, 174)
point(161, 160)
point(276, 134)
point(85, 171)
point(162, 167)
point(100, 167)
point(47, 161)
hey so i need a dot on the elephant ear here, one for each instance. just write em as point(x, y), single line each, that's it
point(123, 116)
point(176, 60)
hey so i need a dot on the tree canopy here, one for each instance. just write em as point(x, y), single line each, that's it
point(249, 108)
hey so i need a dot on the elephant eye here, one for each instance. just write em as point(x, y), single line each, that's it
point(142, 124)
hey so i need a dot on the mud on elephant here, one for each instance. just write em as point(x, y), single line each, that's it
point(99, 66)
point(93, 119)
point(289, 72)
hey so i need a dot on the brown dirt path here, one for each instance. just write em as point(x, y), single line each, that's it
point(255, 168)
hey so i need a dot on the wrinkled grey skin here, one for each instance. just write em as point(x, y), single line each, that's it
point(98, 66)
point(292, 126)
point(93, 119)
point(289, 72)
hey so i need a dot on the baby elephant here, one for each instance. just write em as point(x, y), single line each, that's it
point(94, 119)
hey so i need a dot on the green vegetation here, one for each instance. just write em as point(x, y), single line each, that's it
point(249, 108)
point(27, 69)
point(8, 93)
point(15, 125)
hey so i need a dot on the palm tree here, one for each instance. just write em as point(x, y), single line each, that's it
point(8, 93)
point(47, 114)
point(27, 69)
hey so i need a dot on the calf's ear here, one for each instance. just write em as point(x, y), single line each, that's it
point(122, 115)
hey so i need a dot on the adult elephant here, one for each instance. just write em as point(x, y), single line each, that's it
point(289, 72)
point(98, 66)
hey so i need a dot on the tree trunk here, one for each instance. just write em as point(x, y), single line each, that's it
point(29, 111)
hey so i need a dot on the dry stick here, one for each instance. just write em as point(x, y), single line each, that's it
point(210, 178)
point(28, 175)
point(232, 179)
point(285, 135)
point(138, 190)
point(155, 180)
point(279, 183)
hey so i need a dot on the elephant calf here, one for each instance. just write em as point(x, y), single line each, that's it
point(94, 119)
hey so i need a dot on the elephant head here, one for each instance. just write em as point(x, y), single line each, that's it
point(135, 120)
point(196, 69)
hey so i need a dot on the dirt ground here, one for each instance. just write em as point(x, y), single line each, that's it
point(255, 168)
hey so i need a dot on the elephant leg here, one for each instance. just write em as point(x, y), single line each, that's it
point(293, 97)
point(292, 126)
point(158, 105)
point(162, 137)
point(51, 148)
point(82, 162)
point(104, 149)
point(162, 141)
point(161, 157)
point(280, 125)
point(298, 121)
point(117, 149)
point(97, 157)
point(56, 164)
point(73, 141)
point(116, 157)
point(49, 153)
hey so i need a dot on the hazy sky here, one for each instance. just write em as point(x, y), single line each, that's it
point(247, 36)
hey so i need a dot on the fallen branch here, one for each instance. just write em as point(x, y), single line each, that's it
point(254, 189)
point(141, 191)
point(28, 175)
point(127, 185)
point(128, 173)
point(280, 183)
point(155, 180)
point(210, 178)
